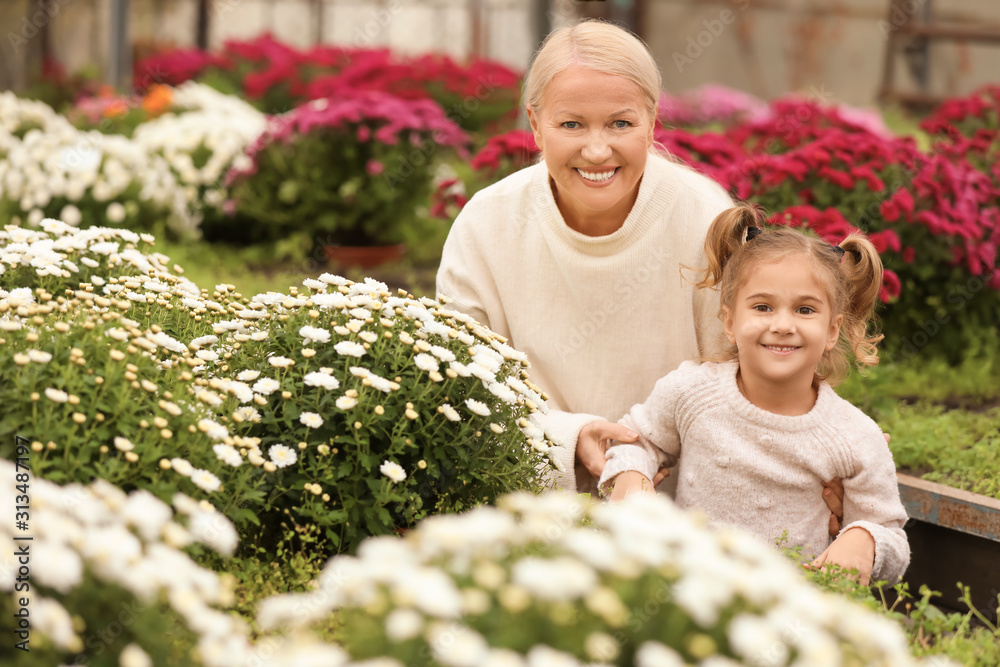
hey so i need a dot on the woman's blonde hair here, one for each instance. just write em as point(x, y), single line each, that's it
point(851, 272)
point(599, 46)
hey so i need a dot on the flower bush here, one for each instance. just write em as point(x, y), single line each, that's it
point(557, 579)
point(341, 171)
point(109, 582)
point(205, 135)
point(343, 407)
point(481, 95)
point(51, 169)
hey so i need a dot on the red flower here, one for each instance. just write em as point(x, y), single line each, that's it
point(891, 287)
point(900, 203)
point(885, 240)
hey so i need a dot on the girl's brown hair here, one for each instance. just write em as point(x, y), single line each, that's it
point(851, 272)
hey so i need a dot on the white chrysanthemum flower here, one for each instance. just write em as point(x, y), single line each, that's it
point(426, 362)
point(209, 397)
point(205, 480)
point(403, 624)
point(450, 413)
point(215, 530)
point(248, 376)
point(456, 645)
point(116, 212)
point(381, 384)
point(346, 402)
point(442, 353)
point(368, 336)
point(266, 386)
point(315, 334)
point(166, 341)
point(559, 578)
point(228, 455)
point(331, 279)
point(481, 372)
point(123, 444)
point(202, 341)
point(655, 654)
point(133, 656)
point(57, 395)
point(310, 420)
point(212, 429)
point(56, 566)
point(260, 335)
point(280, 362)
point(393, 471)
point(318, 379)
point(315, 285)
point(479, 408)
point(71, 215)
point(461, 369)
point(181, 466)
point(39, 356)
point(503, 392)
point(349, 348)
point(282, 455)
point(541, 655)
point(207, 355)
point(246, 414)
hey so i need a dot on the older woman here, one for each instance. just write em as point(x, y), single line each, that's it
point(576, 260)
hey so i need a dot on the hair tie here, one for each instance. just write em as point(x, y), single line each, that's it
point(752, 233)
point(855, 253)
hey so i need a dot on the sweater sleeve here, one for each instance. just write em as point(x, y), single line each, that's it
point(563, 429)
point(659, 440)
point(871, 501)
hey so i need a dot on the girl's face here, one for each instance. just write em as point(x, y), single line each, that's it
point(781, 321)
point(594, 131)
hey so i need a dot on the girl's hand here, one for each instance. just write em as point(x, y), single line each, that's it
point(630, 482)
point(594, 441)
point(854, 550)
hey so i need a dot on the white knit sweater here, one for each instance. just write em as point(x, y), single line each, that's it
point(600, 318)
point(762, 471)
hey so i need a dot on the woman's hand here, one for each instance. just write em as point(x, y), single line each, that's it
point(629, 482)
point(594, 441)
point(854, 550)
point(833, 495)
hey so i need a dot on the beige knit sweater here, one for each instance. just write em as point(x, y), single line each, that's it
point(600, 318)
point(762, 471)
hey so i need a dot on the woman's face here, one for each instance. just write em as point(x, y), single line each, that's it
point(594, 131)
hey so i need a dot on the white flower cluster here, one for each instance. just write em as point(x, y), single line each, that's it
point(77, 169)
point(223, 125)
point(98, 535)
point(85, 255)
point(546, 560)
point(50, 168)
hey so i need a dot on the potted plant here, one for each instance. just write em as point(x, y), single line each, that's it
point(337, 172)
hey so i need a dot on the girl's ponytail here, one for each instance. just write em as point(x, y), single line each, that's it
point(862, 269)
point(725, 236)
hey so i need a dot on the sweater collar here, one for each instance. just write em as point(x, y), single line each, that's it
point(755, 415)
point(656, 197)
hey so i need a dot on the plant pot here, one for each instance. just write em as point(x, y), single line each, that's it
point(364, 257)
point(954, 536)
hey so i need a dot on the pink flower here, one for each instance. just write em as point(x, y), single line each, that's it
point(374, 167)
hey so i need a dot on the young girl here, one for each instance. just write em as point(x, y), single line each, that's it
point(757, 432)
